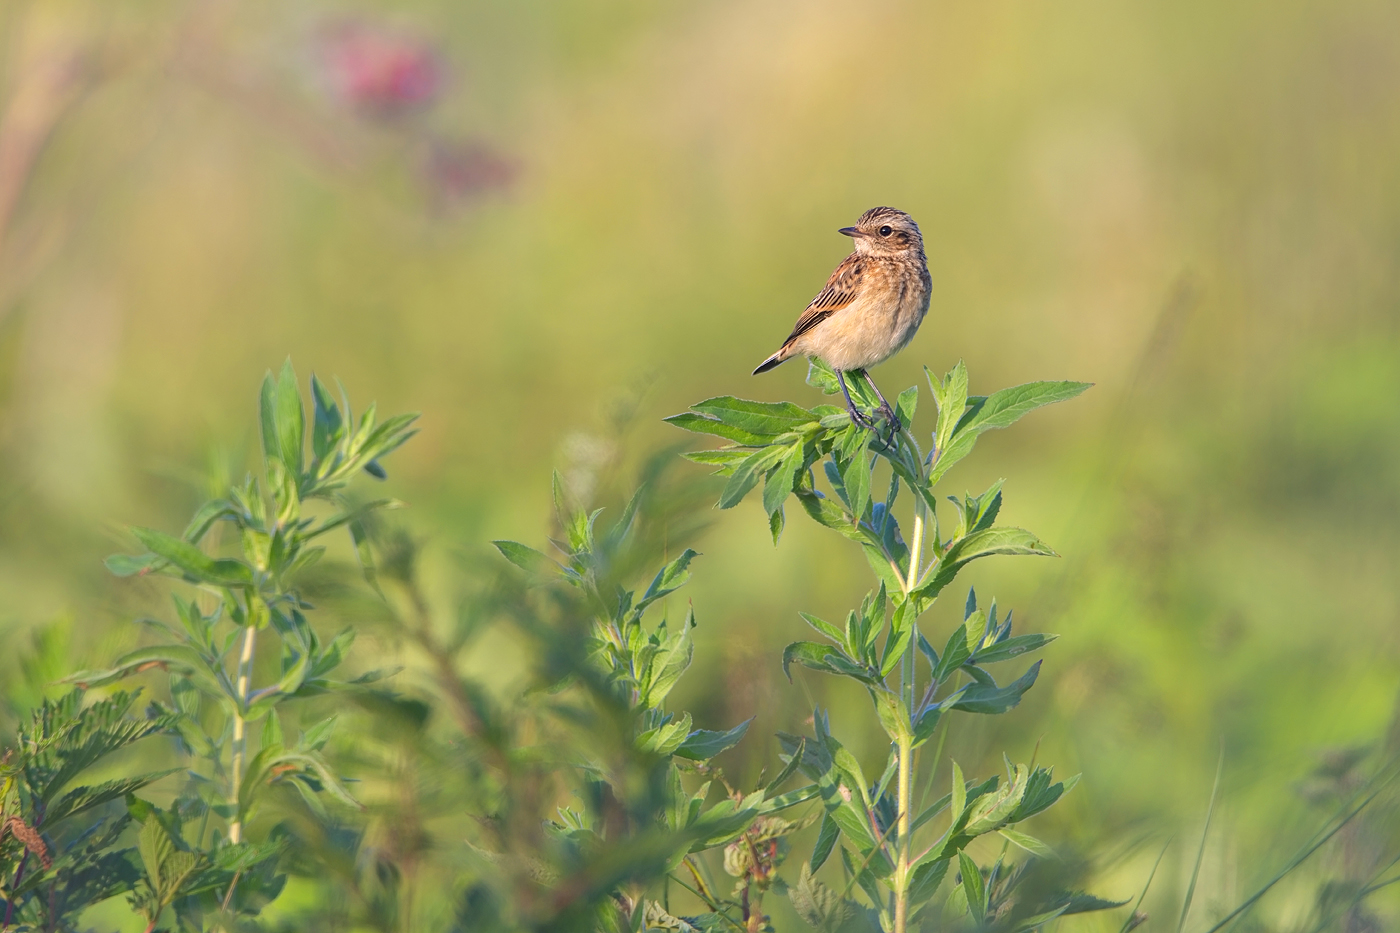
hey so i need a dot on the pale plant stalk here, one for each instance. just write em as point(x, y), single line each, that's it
point(240, 727)
point(908, 675)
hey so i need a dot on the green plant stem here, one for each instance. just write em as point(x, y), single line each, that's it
point(901, 890)
point(240, 729)
point(908, 689)
point(908, 669)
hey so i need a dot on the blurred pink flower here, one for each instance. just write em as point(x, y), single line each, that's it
point(456, 171)
point(381, 72)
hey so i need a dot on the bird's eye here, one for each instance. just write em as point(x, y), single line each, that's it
point(886, 230)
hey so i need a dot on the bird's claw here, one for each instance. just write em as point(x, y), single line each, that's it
point(891, 419)
point(887, 414)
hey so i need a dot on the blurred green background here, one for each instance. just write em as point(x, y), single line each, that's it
point(536, 221)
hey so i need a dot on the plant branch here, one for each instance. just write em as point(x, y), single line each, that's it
point(240, 729)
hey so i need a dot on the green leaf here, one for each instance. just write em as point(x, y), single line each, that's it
point(242, 856)
point(126, 565)
point(526, 558)
point(194, 562)
point(820, 907)
point(669, 663)
point(181, 658)
point(267, 418)
point(952, 402)
point(959, 801)
point(699, 424)
point(1079, 903)
point(315, 738)
point(825, 628)
point(901, 633)
point(794, 762)
point(1031, 844)
point(290, 420)
point(809, 654)
point(784, 801)
point(925, 879)
point(747, 475)
point(1010, 648)
point(726, 458)
point(928, 721)
point(822, 376)
point(781, 480)
point(856, 477)
point(84, 798)
point(826, 658)
point(972, 884)
point(777, 520)
point(850, 769)
point(955, 654)
point(998, 410)
point(989, 541)
point(825, 512)
point(704, 744)
point(328, 427)
point(826, 840)
point(893, 716)
point(991, 699)
point(665, 739)
point(1004, 408)
point(669, 579)
point(763, 418)
point(204, 519)
point(907, 404)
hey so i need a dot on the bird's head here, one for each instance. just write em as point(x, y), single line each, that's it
point(884, 231)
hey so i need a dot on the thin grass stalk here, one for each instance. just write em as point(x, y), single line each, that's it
point(1128, 924)
point(1201, 852)
point(1297, 860)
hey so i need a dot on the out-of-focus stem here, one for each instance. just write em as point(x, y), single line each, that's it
point(240, 727)
point(40, 98)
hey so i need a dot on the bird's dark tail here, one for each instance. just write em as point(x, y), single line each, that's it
point(775, 360)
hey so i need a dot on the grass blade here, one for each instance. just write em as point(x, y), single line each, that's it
point(1201, 852)
point(1128, 924)
point(1302, 856)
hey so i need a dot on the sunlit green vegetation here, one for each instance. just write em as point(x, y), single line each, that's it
point(563, 222)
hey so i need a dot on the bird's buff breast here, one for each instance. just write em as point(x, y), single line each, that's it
point(875, 326)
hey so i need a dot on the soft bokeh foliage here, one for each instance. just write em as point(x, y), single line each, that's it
point(548, 225)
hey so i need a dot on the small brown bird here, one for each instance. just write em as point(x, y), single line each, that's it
point(871, 307)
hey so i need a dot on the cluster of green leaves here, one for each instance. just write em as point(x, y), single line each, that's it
point(888, 845)
point(62, 844)
point(662, 782)
point(865, 814)
point(194, 855)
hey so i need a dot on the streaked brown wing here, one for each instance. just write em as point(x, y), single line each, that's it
point(840, 290)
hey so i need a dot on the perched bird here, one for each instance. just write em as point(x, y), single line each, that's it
point(871, 306)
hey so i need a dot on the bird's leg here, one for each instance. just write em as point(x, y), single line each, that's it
point(857, 416)
point(890, 415)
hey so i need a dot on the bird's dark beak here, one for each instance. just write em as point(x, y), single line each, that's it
point(850, 231)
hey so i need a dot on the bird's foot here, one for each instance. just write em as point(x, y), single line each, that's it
point(892, 421)
point(892, 418)
point(860, 418)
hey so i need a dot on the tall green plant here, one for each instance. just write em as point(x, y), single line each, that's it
point(637, 821)
point(895, 849)
point(199, 846)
